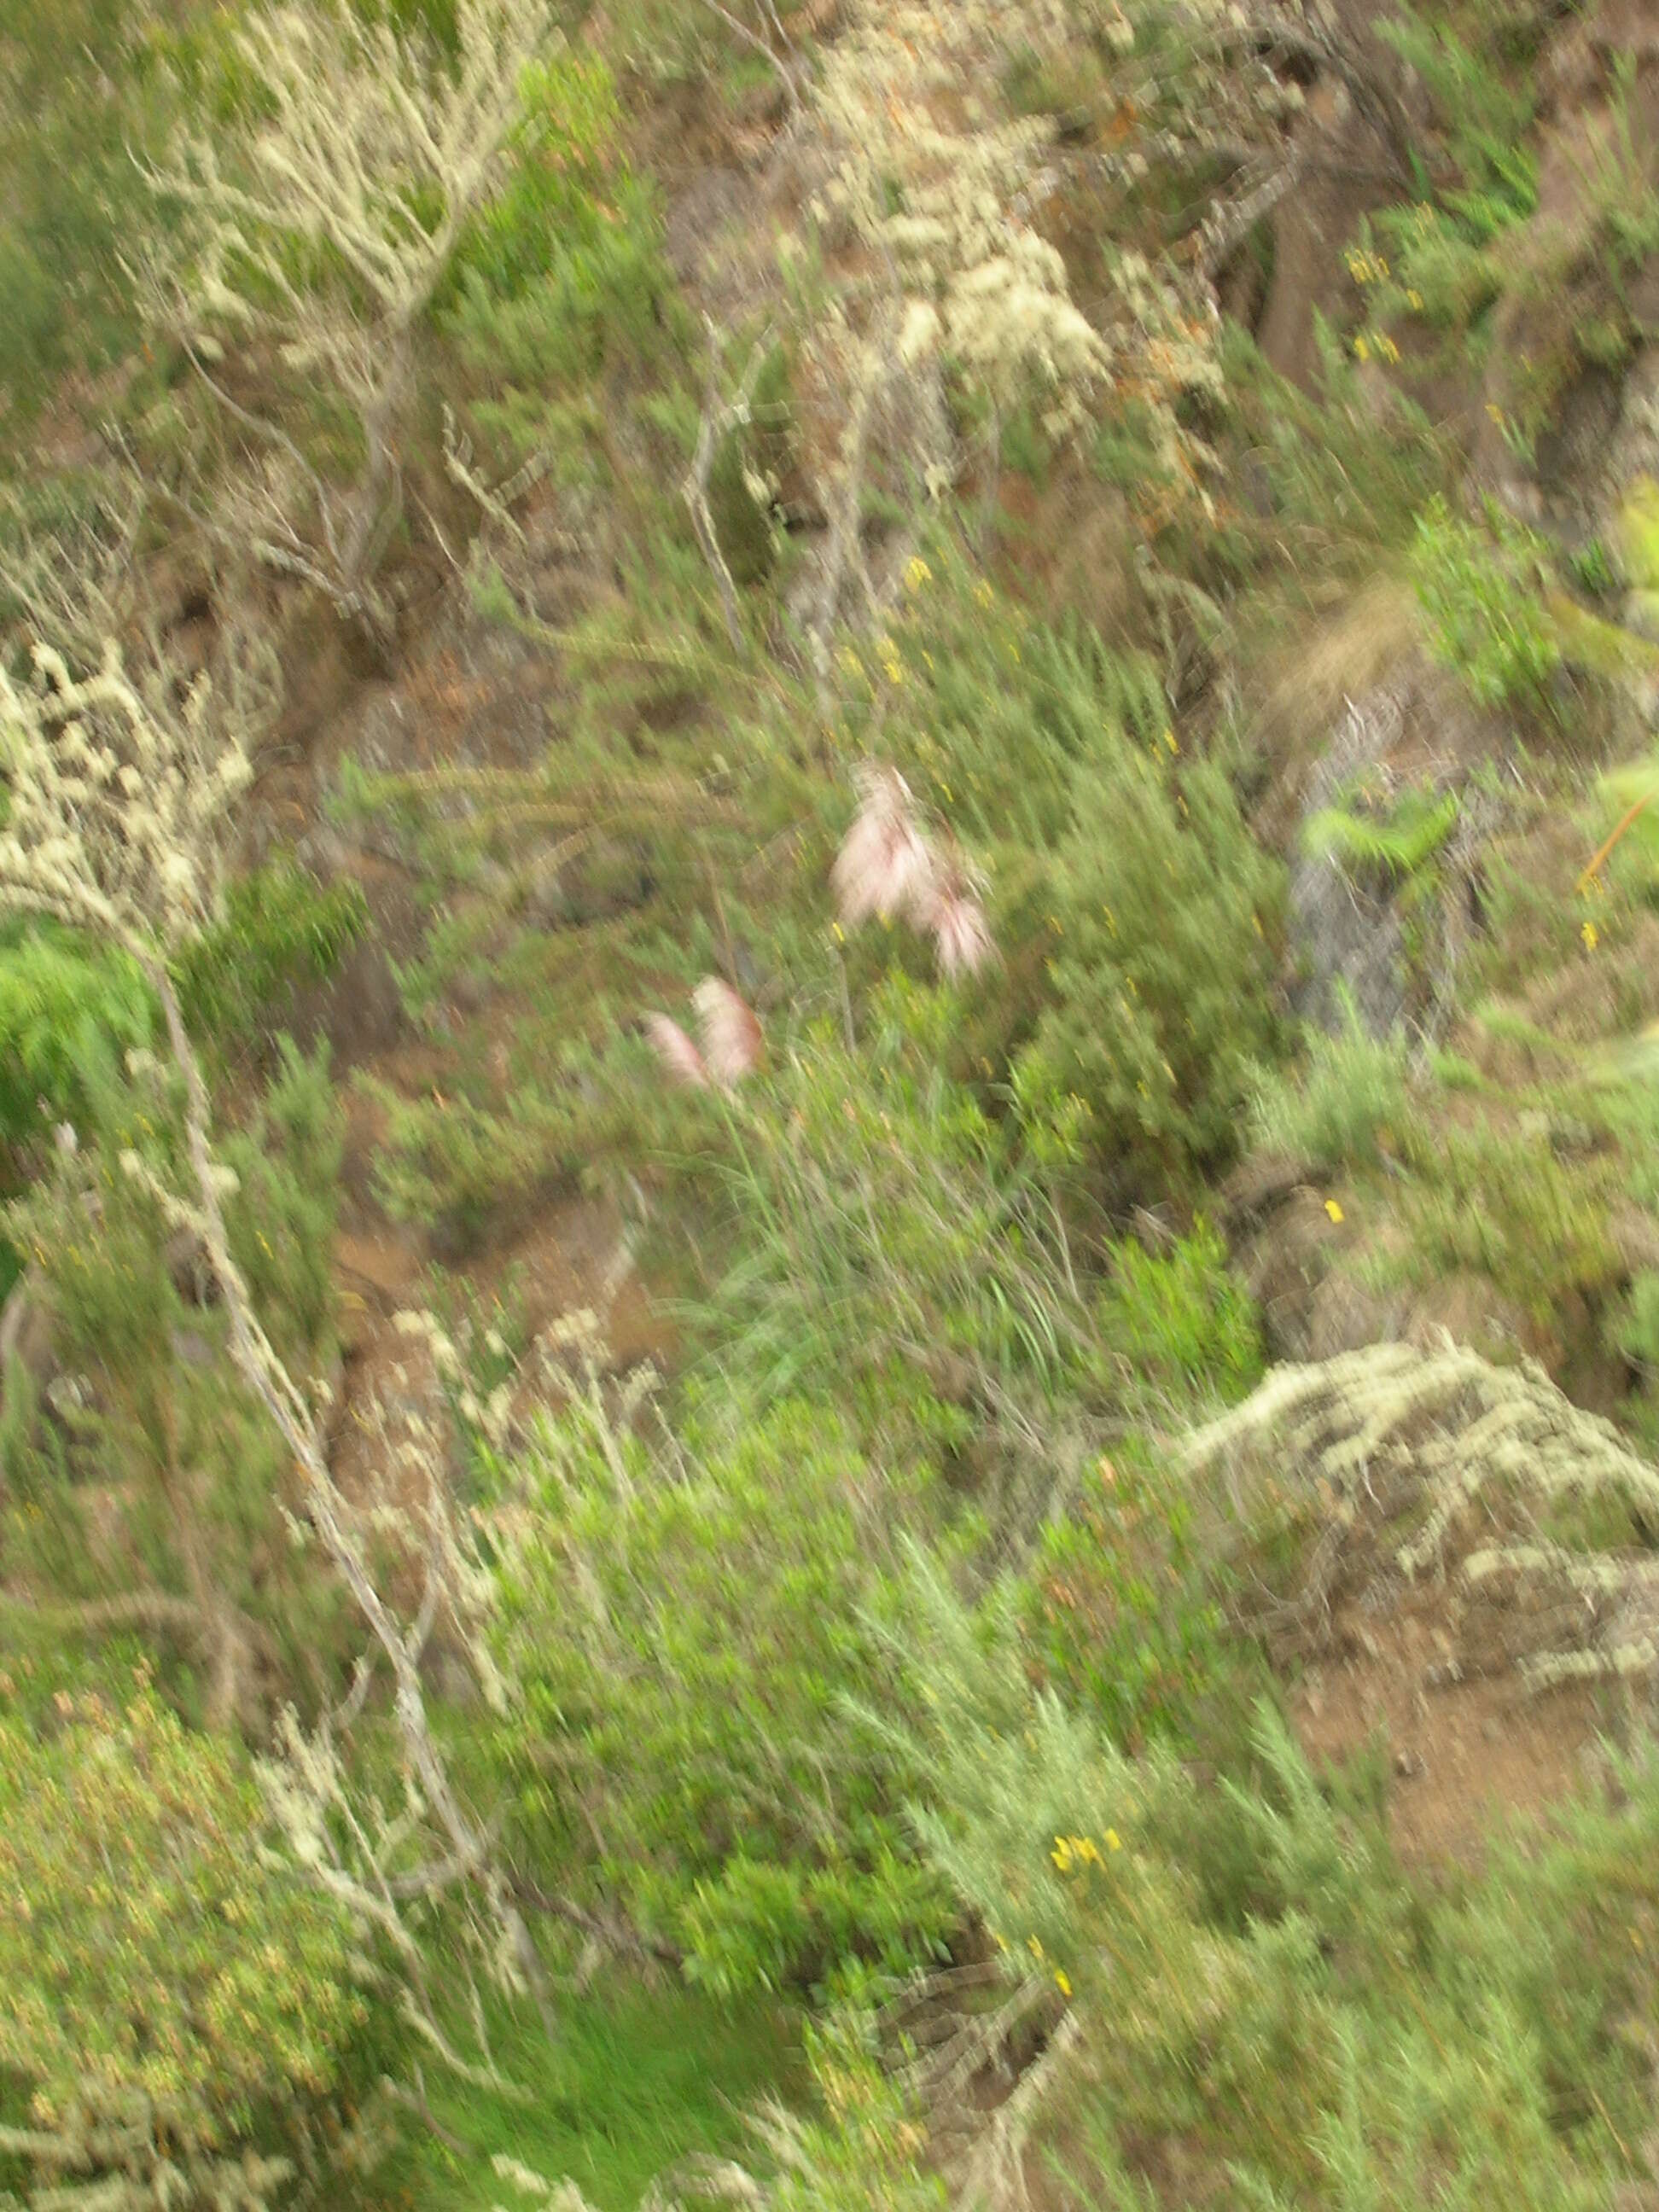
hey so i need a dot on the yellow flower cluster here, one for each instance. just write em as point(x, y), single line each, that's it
point(1379, 342)
point(1071, 1852)
point(1366, 268)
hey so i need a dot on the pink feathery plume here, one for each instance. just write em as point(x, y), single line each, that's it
point(956, 920)
point(732, 1040)
point(885, 866)
point(677, 1052)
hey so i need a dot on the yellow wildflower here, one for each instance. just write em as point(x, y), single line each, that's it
point(917, 574)
point(1061, 1982)
point(1061, 1854)
point(983, 592)
point(1114, 1841)
point(1334, 1209)
point(1362, 350)
point(1591, 935)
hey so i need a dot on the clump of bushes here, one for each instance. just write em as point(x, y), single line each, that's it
point(178, 2010)
point(1479, 589)
point(683, 1635)
point(1160, 978)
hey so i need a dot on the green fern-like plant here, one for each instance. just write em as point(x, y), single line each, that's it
point(1399, 842)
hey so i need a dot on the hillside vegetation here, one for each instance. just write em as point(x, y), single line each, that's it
point(828, 1105)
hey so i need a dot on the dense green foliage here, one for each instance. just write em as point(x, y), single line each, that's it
point(1484, 620)
point(62, 1008)
point(1353, 1098)
point(681, 1725)
point(1164, 919)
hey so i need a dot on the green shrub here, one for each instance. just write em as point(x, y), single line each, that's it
point(148, 1473)
point(1352, 1095)
point(1123, 1610)
point(641, 2076)
point(1400, 842)
point(558, 162)
point(562, 276)
point(1479, 589)
point(455, 1163)
point(280, 928)
point(1635, 1325)
point(883, 1243)
point(684, 1632)
point(1333, 486)
point(177, 2009)
point(1259, 1991)
point(1445, 260)
point(990, 713)
point(1491, 1201)
point(1182, 1326)
point(79, 95)
point(63, 1007)
point(1160, 979)
point(66, 1007)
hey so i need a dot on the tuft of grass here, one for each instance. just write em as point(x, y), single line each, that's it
point(1345, 1105)
point(638, 2079)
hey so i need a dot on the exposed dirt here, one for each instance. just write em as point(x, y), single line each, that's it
point(470, 697)
point(1461, 1752)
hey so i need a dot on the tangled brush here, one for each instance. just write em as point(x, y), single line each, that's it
point(1394, 1464)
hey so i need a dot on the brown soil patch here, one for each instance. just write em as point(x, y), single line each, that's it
point(1462, 1754)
